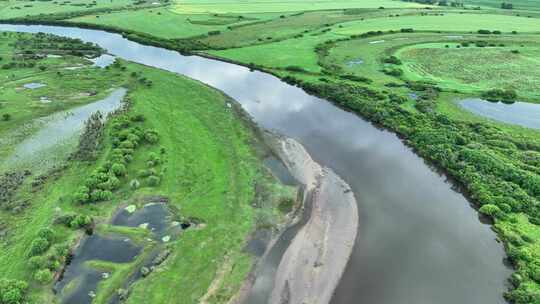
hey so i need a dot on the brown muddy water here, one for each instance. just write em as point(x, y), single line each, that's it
point(419, 241)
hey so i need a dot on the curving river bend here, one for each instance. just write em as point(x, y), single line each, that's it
point(419, 241)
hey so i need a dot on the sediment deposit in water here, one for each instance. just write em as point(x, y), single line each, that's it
point(316, 258)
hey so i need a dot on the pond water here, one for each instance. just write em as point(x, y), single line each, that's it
point(153, 216)
point(34, 85)
point(58, 132)
point(419, 240)
point(518, 113)
point(103, 61)
point(80, 281)
point(279, 170)
point(352, 63)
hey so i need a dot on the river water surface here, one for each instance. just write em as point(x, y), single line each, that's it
point(419, 241)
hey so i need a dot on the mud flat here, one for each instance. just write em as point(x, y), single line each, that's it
point(315, 260)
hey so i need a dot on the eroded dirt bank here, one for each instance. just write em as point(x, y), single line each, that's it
point(314, 262)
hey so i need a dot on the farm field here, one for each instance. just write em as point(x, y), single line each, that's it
point(86, 138)
point(447, 23)
point(14, 9)
point(164, 23)
point(517, 4)
point(268, 6)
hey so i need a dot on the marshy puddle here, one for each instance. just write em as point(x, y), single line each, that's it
point(155, 217)
point(103, 61)
point(80, 281)
point(519, 113)
point(279, 170)
point(34, 85)
point(352, 63)
point(59, 132)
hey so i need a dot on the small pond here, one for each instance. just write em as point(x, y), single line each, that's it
point(354, 62)
point(80, 281)
point(155, 217)
point(103, 61)
point(34, 85)
point(79, 284)
point(518, 113)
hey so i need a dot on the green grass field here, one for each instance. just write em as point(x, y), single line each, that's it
point(476, 69)
point(265, 6)
point(12, 9)
point(448, 23)
point(518, 4)
point(164, 23)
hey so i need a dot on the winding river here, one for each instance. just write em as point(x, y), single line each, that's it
point(419, 240)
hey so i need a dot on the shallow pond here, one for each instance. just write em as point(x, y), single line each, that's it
point(355, 62)
point(155, 217)
point(103, 61)
point(419, 240)
point(518, 113)
point(80, 281)
point(58, 132)
point(279, 170)
point(34, 85)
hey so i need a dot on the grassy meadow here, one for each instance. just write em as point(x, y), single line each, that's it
point(209, 168)
point(267, 6)
point(448, 22)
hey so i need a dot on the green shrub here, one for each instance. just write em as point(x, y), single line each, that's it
point(143, 173)
point(12, 291)
point(37, 262)
point(134, 184)
point(80, 221)
point(392, 60)
point(46, 233)
point(38, 246)
point(151, 136)
point(153, 180)
point(43, 276)
point(119, 169)
point(491, 210)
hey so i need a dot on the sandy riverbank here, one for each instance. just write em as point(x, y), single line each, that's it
point(314, 262)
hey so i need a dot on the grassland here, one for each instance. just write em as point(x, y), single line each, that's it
point(265, 6)
point(476, 69)
point(209, 172)
point(517, 4)
point(449, 22)
point(164, 23)
point(12, 9)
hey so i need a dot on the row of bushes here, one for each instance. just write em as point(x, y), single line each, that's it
point(45, 257)
point(126, 136)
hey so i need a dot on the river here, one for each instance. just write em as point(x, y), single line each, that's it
point(419, 241)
